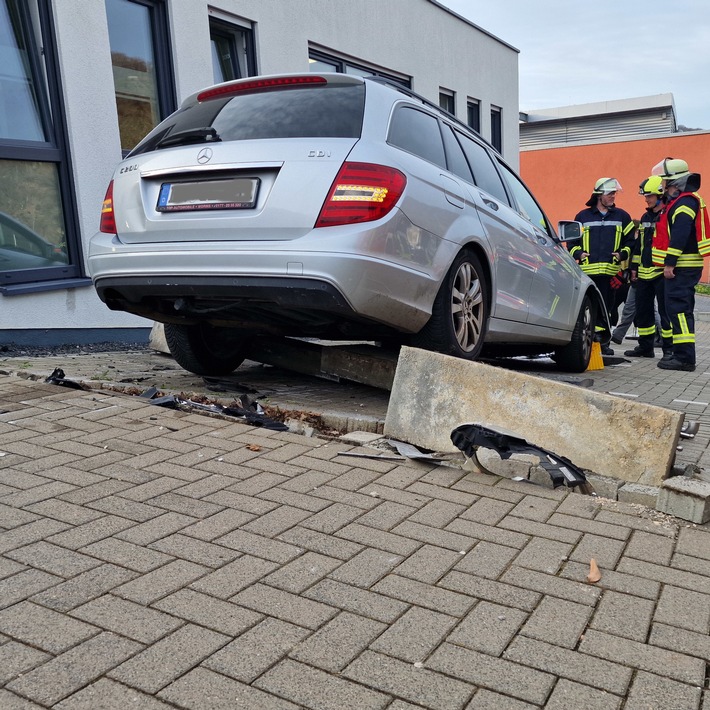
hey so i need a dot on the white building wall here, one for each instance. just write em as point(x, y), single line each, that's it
point(416, 38)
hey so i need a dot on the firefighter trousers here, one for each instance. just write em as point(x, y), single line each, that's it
point(680, 304)
point(649, 292)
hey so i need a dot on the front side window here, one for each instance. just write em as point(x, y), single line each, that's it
point(526, 205)
point(140, 59)
point(417, 132)
point(38, 238)
point(484, 172)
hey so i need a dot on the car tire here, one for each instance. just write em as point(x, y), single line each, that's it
point(574, 357)
point(459, 315)
point(205, 350)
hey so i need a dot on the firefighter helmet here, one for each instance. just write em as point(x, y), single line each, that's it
point(671, 169)
point(651, 186)
point(605, 185)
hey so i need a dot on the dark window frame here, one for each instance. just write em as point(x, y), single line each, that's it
point(223, 28)
point(473, 106)
point(341, 64)
point(497, 128)
point(54, 150)
point(447, 101)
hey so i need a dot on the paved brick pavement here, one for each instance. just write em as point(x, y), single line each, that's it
point(156, 558)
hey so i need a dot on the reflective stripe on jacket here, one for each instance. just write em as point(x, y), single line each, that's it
point(602, 235)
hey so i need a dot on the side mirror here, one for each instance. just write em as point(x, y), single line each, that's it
point(569, 230)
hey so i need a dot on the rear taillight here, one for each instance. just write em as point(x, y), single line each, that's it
point(108, 219)
point(361, 192)
point(252, 85)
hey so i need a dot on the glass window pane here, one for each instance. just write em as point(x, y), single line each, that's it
point(496, 128)
point(455, 157)
point(356, 71)
point(417, 132)
point(32, 231)
point(19, 110)
point(319, 65)
point(473, 117)
point(526, 205)
point(484, 173)
point(134, 69)
point(222, 52)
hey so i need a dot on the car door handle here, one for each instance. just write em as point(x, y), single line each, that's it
point(490, 203)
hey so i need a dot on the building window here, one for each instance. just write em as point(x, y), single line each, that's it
point(447, 101)
point(497, 128)
point(321, 62)
point(38, 234)
point(232, 51)
point(473, 114)
point(142, 74)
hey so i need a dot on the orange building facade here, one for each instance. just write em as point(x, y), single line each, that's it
point(562, 177)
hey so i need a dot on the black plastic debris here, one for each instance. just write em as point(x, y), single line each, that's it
point(246, 410)
point(470, 437)
point(57, 378)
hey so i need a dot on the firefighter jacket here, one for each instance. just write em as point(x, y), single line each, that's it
point(642, 259)
point(681, 238)
point(602, 235)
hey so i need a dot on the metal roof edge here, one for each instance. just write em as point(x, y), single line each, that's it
point(621, 139)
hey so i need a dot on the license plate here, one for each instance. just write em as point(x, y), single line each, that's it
point(227, 194)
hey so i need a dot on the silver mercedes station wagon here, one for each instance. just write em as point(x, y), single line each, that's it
point(336, 207)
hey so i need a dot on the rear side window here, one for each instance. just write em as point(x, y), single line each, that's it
point(306, 112)
point(417, 132)
point(485, 174)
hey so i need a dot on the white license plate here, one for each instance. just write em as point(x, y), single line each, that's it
point(227, 194)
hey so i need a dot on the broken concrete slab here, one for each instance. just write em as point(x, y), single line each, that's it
point(685, 498)
point(432, 394)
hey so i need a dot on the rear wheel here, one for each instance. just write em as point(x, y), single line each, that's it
point(459, 316)
point(574, 357)
point(205, 349)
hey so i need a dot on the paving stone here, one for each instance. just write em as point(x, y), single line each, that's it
point(65, 674)
point(185, 505)
point(259, 546)
point(543, 555)
point(437, 489)
point(487, 560)
point(121, 616)
point(124, 508)
point(99, 529)
point(633, 654)
point(17, 658)
point(683, 608)
point(321, 543)
point(303, 572)
point(619, 582)
point(633, 522)
point(488, 628)
point(233, 577)
point(157, 528)
point(366, 501)
point(650, 690)
point(479, 531)
point(694, 542)
point(126, 554)
point(53, 559)
point(41, 627)
point(295, 500)
point(574, 695)
point(10, 567)
point(665, 575)
point(570, 664)
point(604, 550)
point(10, 701)
point(490, 590)
point(200, 684)
point(107, 694)
point(616, 532)
point(152, 586)
point(623, 615)
point(685, 642)
point(386, 515)
point(359, 601)
point(650, 548)
point(691, 564)
point(37, 494)
point(84, 587)
point(554, 586)
point(64, 511)
point(426, 595)
point(95, 491)
point(488, 511)
point(428, 564)
point(544, 625)
point(441, 538)
point(199, 551)
point(414, 635)
point(285, 606)
point(488, 700)
point(168, 659)
point(389, 542)
point(340, 641)
point(28, 533)
point(495, 674)
point(437, 513)
point(215, 614)
point(256, 650)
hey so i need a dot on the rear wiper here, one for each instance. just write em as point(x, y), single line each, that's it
point(191, 135)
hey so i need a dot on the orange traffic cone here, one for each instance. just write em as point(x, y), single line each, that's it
point(596, 361)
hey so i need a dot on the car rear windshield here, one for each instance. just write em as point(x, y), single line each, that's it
point(322, 111)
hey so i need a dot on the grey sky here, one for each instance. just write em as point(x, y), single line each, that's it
point(574, 52)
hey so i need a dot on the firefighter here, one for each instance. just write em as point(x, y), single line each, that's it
point(607, 240)
point(648, 278)
point(678, 246)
